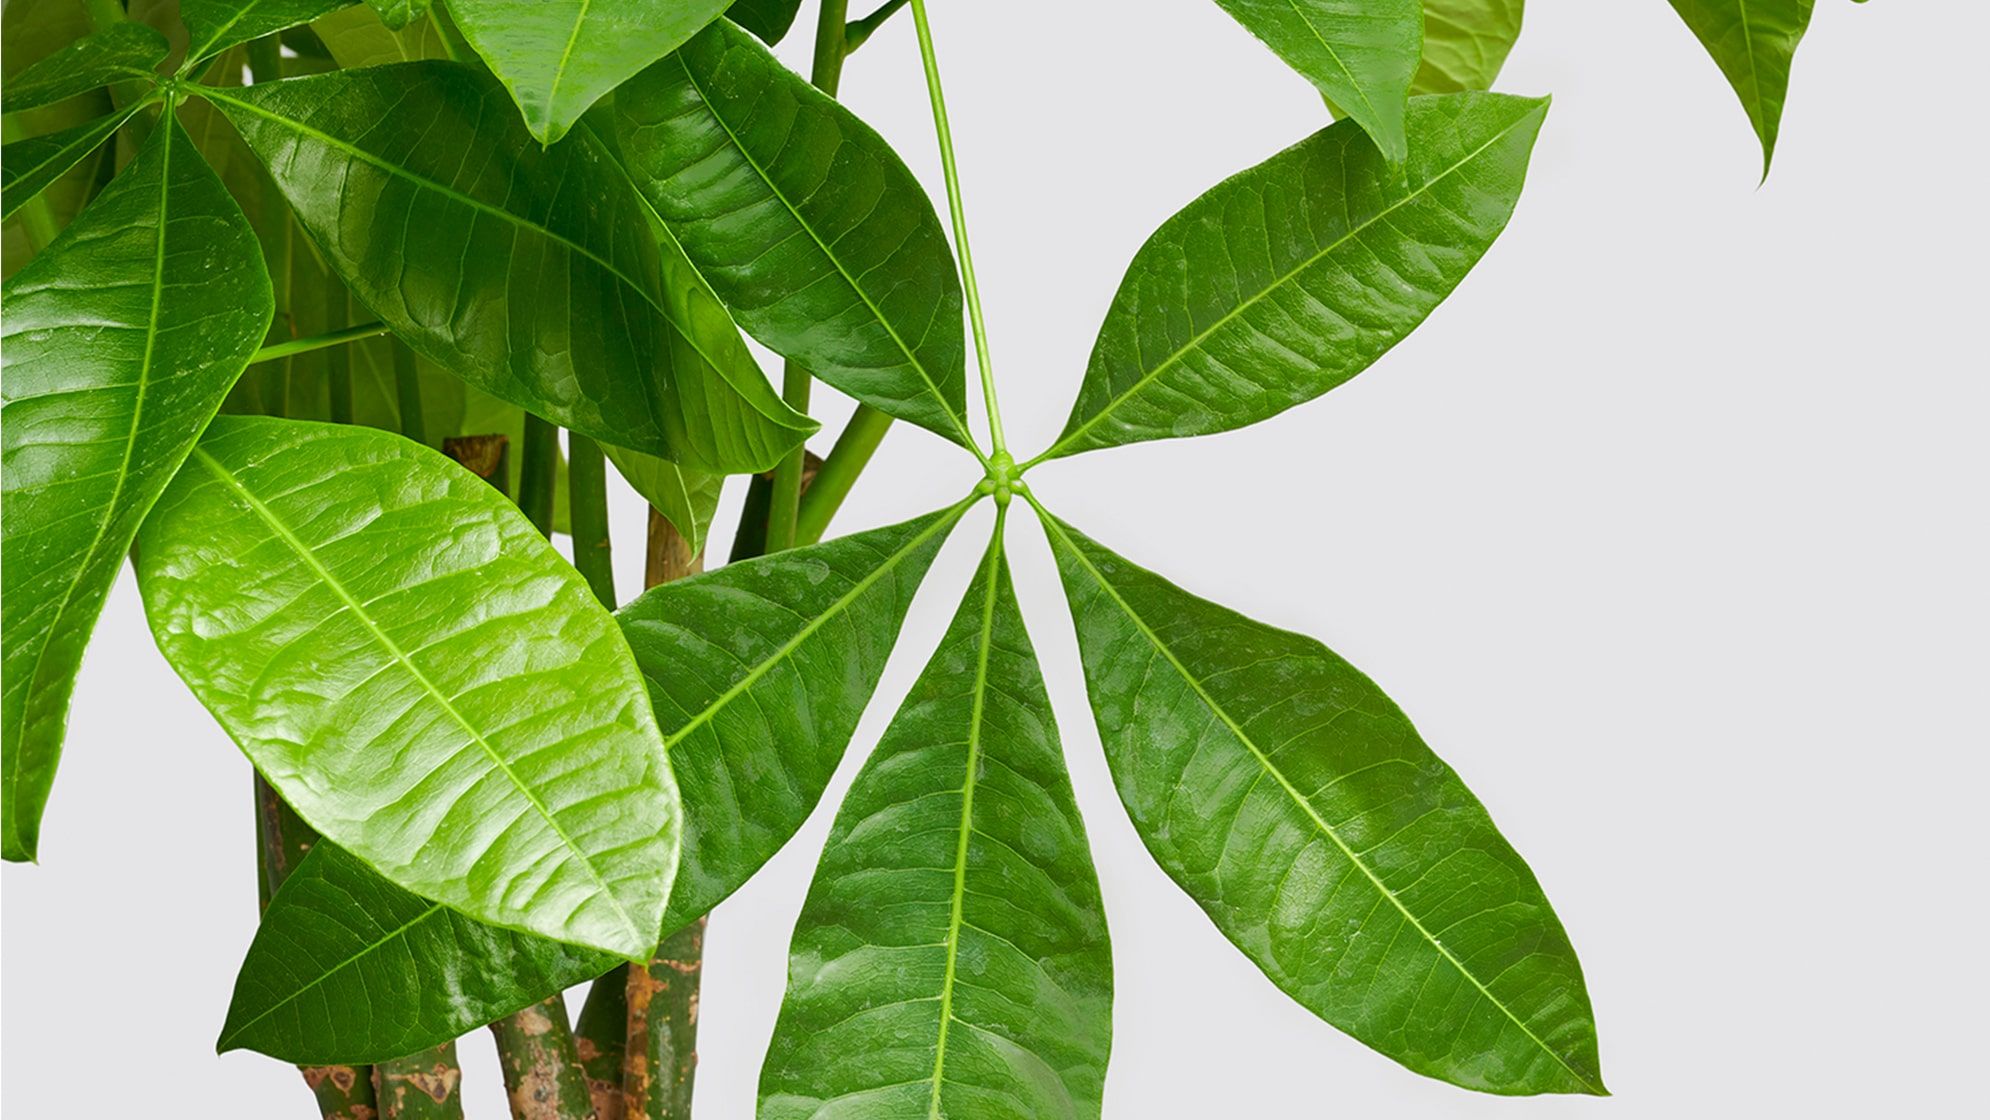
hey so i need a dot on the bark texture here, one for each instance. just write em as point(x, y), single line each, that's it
point(542, 1073)
point(662, 1055)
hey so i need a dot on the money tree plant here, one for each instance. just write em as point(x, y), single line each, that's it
point(300, 298)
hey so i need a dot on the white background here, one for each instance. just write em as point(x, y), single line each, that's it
point(1668, 530)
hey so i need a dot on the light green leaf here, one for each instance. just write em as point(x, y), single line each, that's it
point(29, 167)
point(1288, 279)
point(1361, 54)
point(687, 499)
point(358, 36)
point(349, 969)
point(397, 14)
point(557, 57)
point(1295, 803)
point(120, 342)
point(951, 959)
point(1752, 41)
point(805, 222)
point(118, 52)
point(418, 673)
point(215, 25)
point(457, 255)
point(1465, 42)
point(758, 672)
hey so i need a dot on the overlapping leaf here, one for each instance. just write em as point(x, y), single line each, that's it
point(30, 31)
point(687, 499)
point(397, 14)
point(1362, 54)
point(120, 342)
point(418, 673)
point(1752, 41)
point(29, 167)
point(215, 25)
point(1465, 42)
point(769, 19)
point(952, 959)
point(119, 52)
point(803, 219)
point(558, 57)
point(1289, 278)
point(532, 273)
point(1295, 803)
point(758, 673)
point(349, 969)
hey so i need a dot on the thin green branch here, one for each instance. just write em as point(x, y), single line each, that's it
point(407, 393)
point(858, 31)
point(318, 342)
point(839, 472)
point(587, 511)
point(538, 472)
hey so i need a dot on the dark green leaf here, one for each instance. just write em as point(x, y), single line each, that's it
point(1465, 42)
point(215, 25)
point(118, 52)
point(120, 342)
point(31, 30)
point(418, 673)
point(1295, 803)
point(1288, 279)
point(529, 272)
point(1362, 54)
point(397, 14)
point(769, 19)
point(1752, 41)
point(803, 219)
point(349, 969)
point(758, 672)
point(952, 958)
point(687, 499)
point(557, 57)
point(28, 167)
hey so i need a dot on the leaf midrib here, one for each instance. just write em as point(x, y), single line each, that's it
point(324, 975)
point(304, 553)
point(1057, 530)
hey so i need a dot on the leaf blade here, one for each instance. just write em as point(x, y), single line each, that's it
point(1753, 43)
point(1465, 43)
point(1361, 54)
point(29, 167)
point(121, 51)
point(215, 25)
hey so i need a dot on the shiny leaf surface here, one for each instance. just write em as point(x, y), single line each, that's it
point(758, 673)
point(1362, 54)
point(349, 969)
point(769, 19)
point(29, 167)
point(805, 222)
point(557, 57)
point(118, 52)
point(951, 959)
point(418, 673)
point(1465, 42)
point(397, 14)
point(120, 342)
point(1295, 803)
point(1289, 278)
point(215, 25)
point(1752, 41)
point(531, 273)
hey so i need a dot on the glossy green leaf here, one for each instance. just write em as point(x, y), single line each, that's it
point(357, 36)
point(119, 52)
point(1752, 41)
point(418, 673)
point(120, 342)
point(758, 673)
point(1465, 42)
point(397, 14)
point(529, 272)
point(29, 167)
point(806, 223)
point(215, 25)
point(30, 31)
point(769, 19)
point(558, 57)
point(1289, 278)
point(1361, 54)
point(951, 959)
point(687, 499)
point(1295, 803)
point(349, 969)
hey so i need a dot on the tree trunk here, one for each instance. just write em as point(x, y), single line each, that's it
point(542, 1070)
point(662, 1055)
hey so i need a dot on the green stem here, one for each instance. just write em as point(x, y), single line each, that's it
point(972, 289)
point(265, 60)
point(601, 1036)
point(662, 1056)
point(420, 1086)
point(318, 342)
point(839, 472)
point(407, 393)
point(338, 360)
point(542, 1072)
point(538, 471)
point(587, 510)
point(858, 31)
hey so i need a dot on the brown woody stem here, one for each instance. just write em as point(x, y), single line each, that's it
point(542, 1071)
point(422, 1086)
point(662, 1056)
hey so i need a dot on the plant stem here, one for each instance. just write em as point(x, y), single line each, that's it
point(407, 393)
point(587, 512)
point(265, 59)
point(318, 341)
point(601, 1037)
point(538, 471)
point(338, 360)
point(839, 472)
point(973, 290)
point(542, 1072)
point(662, 1056)
point(858, 31)
point(421, 1086)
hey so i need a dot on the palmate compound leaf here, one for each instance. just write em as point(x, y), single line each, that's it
point(1290, 278)
point(1753, 42)
point(1465, 42)
point(121, 340)
point(119, 52)
point(1295, 803)
point(532, 273)
point(952, 959)
point(1361, 54)
point(418, 673)
point(807, 224)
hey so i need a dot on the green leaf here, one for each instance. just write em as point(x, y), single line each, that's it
point(118, 52)
point(29, 167)
point(557, 57)
point(120, 342)
point(1752, 41)
point(687, 499)
point(30, 31)
point(1289, 278)
point(769, 19)
point(758, 673)
point(349, 969)
point(397, 14)
point(215, 25)
point(1465, 42)
point(951, 959)
point(454, 242)
point(1361, 54)
point(358, 36)
point(806, 223)
point(1295, 803)
point(418, 673)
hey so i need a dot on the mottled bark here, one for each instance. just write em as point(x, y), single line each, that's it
point(422, 1086)
point(669, 555)
point(483, 456)
point(662, 1055)
point(600, 1037)
point(542, 1074)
